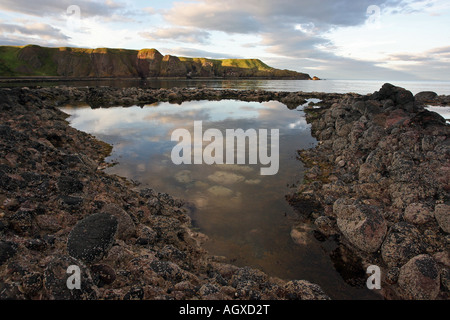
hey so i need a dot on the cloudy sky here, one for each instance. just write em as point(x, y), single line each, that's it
point(334, 39)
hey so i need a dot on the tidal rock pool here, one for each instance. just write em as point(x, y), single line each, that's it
point(244, 214)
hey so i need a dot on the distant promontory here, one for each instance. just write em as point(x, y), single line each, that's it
point(37, 61)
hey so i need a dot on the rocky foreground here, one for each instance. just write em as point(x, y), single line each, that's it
point(378, 182)
point(58, 210)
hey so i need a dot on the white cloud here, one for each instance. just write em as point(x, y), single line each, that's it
point(180, 34)
point(332, 37)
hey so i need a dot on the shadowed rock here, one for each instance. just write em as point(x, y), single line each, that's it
point(442, 214)
point(419, 278)
point(7, 250)
point(92, 237)
point(56, 276)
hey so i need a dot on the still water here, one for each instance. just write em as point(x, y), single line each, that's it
point(328, 86)
point(244, 214)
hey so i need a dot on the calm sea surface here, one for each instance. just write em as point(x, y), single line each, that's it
point(329, 86)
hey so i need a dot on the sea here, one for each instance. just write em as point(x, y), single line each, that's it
point(328, 86)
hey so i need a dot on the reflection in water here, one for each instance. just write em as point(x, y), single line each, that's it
point(244, 214)
point(330, 86)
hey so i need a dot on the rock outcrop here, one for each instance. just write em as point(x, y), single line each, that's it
point(382, 180)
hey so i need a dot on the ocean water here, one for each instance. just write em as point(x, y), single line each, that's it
point(329, 86)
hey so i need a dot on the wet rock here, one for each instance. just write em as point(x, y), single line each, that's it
point(396, 118)
point(97, 98)
point(168, 270)
point(135, 293)
point(36, 244)
point(442, 214)
point(209, 291)
point(126, 227)
point(443, 258)
point(72, 202)
point(92, 237)
point(402, 244)
point(247, 283)
point(304, 290)
point(392, 275)
point(102, 274)
point(363, 225)
point(302, 234)
point(418, 213)
point(445, 279)
point(7, 250)
point(32, 283)
point(396, 94)
point(3, 226)
point(349, 266)
point(171, 253)
point(56, 276)
point(146, 236)
point(22, 221)
point(420, 278)
point(10, 291)
point(69, 185)
point(426, 96)
point(48, 223)
point(325, 226)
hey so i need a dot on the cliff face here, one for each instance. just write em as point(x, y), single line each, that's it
point(34, 60)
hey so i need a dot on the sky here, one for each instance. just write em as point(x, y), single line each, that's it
point(331, 39)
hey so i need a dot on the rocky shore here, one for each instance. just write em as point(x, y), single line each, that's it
point(378, 183)
point(58, 209)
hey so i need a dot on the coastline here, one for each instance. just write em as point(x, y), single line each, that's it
point(153, 228)
point(75, 79)
point(59, 209)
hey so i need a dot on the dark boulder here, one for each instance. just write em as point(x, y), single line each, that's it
point(92, 237)
point(56, 276)
point(7, 250)
point(420, 278)
point(402, 243)
point(426, 96)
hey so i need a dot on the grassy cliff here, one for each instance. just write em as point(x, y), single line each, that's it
point(34, 61)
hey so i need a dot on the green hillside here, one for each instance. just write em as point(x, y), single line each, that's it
point(34, 61)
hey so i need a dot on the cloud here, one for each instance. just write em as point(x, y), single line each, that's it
point(440, 54)
point(327, 65)
point(42, 30)
point(213, 15)
point(59, 7)
point(292, 30)
point(181, 34)
point(196, 53)
point(35, 33)
point(236, 16)
point(431, 64)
